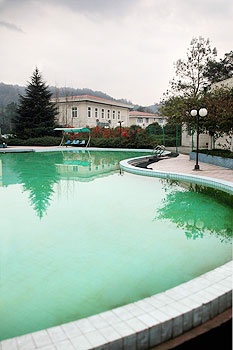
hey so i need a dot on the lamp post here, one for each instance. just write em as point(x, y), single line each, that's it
point(202, 112)
point(120, 122)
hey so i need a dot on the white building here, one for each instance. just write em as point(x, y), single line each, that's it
point(86, 110)
point(90, 111)
point(224, 83)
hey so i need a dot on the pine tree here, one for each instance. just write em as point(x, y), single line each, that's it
point(35, 112)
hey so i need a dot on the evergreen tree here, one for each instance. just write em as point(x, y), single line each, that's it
point(35, 113)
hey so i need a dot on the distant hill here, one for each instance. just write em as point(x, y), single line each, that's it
point(154, 108)
point(10, 93)
point(67, 91)
point(149, 109)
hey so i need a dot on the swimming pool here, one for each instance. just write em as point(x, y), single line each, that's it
point(79, 237)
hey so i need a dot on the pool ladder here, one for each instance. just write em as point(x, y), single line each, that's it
point(159, 150)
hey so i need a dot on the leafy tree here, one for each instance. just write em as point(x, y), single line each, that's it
point(191, 73)
point(219, 121)
point(189, 91)
point(189, 87)
point(35, 112)
point(177, 109)
point(154, 128)
point(217, 71)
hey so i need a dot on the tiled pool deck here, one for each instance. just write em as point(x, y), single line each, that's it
point(156, 319)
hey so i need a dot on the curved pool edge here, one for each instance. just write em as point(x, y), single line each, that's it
point(142, 324)
point(219, 184)
point(150, 321)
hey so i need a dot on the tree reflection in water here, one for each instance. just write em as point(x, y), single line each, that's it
point(198, 209)
point(37, 172)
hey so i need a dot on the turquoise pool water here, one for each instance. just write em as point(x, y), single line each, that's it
point(79, 237)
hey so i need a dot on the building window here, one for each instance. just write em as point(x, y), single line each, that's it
point(108, 113)
point(160, 121)
point(119, 114)
point(147, 120)
point(113, 114)
point(74, 111)
point(139, 120)
point(89, 112)
point(102, 113)
point(96, 112)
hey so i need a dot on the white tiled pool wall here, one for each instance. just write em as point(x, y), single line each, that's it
point(142, 324)
point(145, 323)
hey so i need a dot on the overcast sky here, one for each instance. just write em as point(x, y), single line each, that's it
point(125, 48)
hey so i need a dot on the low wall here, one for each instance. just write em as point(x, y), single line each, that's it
point(205, 158)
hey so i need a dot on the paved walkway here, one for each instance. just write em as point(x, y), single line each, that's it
point(182, 164)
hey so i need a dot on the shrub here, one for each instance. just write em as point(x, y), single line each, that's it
point(217, 152)
point(38, 141)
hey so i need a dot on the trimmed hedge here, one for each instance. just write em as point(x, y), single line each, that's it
point(217, 152)
point(105, 138)
point(38, 141)
point(111, 142)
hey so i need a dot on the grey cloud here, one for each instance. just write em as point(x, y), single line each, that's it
point(110, 7)
point(98, 9)
point(95, 5)
point(10, 26)
point(210, 8)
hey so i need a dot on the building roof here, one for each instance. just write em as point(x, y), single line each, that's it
point(91, 98)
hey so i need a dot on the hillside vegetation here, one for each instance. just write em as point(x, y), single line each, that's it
point(10, 94)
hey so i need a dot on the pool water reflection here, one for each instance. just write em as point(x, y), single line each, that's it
point(78, 237)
